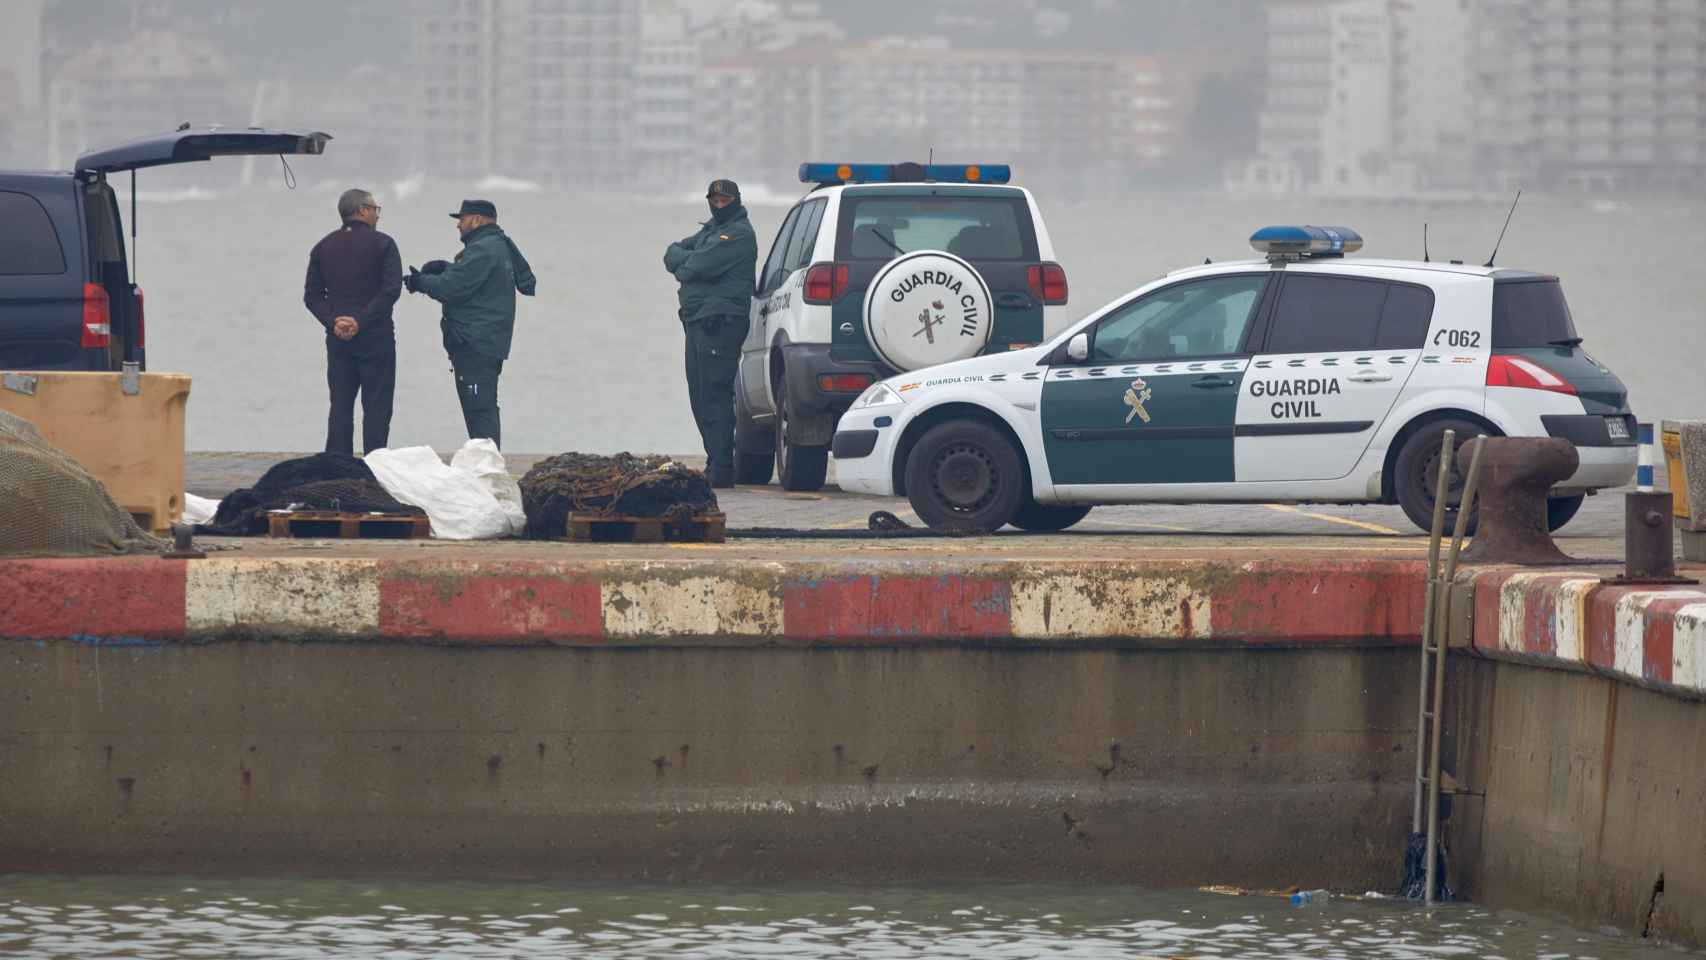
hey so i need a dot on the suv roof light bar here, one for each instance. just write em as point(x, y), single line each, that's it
point(1301, 242)
point(834, 174)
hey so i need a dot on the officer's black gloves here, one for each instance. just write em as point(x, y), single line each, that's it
point(435, 267)
point(412, 282)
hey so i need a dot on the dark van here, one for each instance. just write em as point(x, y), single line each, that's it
point(67, 301)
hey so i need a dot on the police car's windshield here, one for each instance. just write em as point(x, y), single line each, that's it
point(976, 228)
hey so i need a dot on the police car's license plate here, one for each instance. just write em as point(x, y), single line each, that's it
point(1618, 429)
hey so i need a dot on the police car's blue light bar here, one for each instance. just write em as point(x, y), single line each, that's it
point(1305, 241)
point(830, 174)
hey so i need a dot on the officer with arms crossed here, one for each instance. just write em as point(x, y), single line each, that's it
point(715, 269)
point(478, 293)
point(354, 276)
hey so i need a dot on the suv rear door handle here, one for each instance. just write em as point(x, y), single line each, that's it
point(1213, 381)
point(1369, 376)
point(1014, 301)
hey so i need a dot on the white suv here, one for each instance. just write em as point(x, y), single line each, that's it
point(1302, 377)
point(878, 270)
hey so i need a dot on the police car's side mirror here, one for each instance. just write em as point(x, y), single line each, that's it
point(1078, 348)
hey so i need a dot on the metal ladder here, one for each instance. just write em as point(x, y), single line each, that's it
point(1431, 690)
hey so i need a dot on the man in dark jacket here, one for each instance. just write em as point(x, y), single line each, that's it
point(715, 268)
point(478, 292)
point(354, 276)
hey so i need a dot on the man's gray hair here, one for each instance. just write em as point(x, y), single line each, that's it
point(351, 202)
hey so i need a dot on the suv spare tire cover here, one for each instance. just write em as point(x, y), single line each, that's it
point(928, 307)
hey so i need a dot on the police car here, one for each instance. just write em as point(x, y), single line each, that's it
point(1304, 376)
point(879, 269)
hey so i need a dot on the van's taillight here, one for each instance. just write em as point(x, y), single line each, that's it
point(1506, 371)
point(825, 282)
point(1047, 282)
point(97, 316)
point(141, 326)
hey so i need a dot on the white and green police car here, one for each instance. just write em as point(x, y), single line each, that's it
point(1301, 377)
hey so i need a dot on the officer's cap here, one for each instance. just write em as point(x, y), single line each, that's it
point(484, 208)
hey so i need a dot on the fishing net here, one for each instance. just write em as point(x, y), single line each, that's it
point(622, 485)
point(51, 506)
point(324, 481)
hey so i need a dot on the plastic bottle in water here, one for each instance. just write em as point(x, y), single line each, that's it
point(1305, 898)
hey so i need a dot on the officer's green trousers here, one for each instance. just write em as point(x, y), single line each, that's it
point(477, 390)
point(713, 357)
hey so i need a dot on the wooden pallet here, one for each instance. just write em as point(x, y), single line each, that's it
point(608, 528)
point(337, 525)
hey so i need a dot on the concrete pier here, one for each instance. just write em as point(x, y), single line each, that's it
point(883, 713)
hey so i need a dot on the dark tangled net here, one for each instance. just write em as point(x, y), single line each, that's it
point(622, 485)
point(324, 481)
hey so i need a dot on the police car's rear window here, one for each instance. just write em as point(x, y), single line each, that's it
point(28, 244)
point(1530, 313)
point(976, 228)
point(1328, 314)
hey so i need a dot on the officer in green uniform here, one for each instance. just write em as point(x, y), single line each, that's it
point(478, 292)
point(715, 268)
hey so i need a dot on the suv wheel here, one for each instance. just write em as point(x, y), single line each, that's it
point(798, 468)
point(1047, 517)
point(965, 475)
point(1416, 473)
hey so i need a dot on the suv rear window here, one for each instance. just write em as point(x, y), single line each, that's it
point(28, 244)
point(1530, 313)
point(973, 227)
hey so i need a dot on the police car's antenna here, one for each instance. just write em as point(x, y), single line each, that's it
point(1501, 240)
point(1425, 242)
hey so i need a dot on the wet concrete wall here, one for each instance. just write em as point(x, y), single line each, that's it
point(1251, 765)
point(1593, 797)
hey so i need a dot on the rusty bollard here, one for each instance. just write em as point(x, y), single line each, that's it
point(1516, 475)
point(1649, 549)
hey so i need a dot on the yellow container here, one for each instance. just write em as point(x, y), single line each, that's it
point(1672, 440)
point(132, 440)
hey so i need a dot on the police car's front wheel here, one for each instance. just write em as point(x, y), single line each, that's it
point(965, 475)
point(1047, 517)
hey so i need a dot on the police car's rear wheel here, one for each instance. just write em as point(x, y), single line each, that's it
point(1416, 474)
point(1047, 517)
point(1561, 510)
point(797, 467)
point(965, 475)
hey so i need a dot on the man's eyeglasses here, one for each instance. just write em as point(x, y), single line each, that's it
point(371, 206)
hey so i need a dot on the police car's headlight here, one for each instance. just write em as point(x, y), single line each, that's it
point(876, 395)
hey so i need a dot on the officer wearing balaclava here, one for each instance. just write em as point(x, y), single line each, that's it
point(715, 268)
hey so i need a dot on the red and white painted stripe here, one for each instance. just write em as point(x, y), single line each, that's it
point(479, 601)
point(1649, 634)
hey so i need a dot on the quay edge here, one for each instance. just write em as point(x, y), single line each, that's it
point(1168, 722)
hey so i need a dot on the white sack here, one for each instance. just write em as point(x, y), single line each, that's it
point(482, 459)
point(199, 509)
point(458, 502)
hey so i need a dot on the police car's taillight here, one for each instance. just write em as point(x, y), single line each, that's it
point(1506, 371)
point(97, 317)
point(825, 282)
point(1047, 282)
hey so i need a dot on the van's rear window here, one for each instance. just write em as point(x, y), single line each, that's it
point(976, 228)
point(28, 243)
point(1530, 313)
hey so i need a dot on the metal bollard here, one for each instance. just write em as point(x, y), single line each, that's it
point(1649, 547)
point(183, 547)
